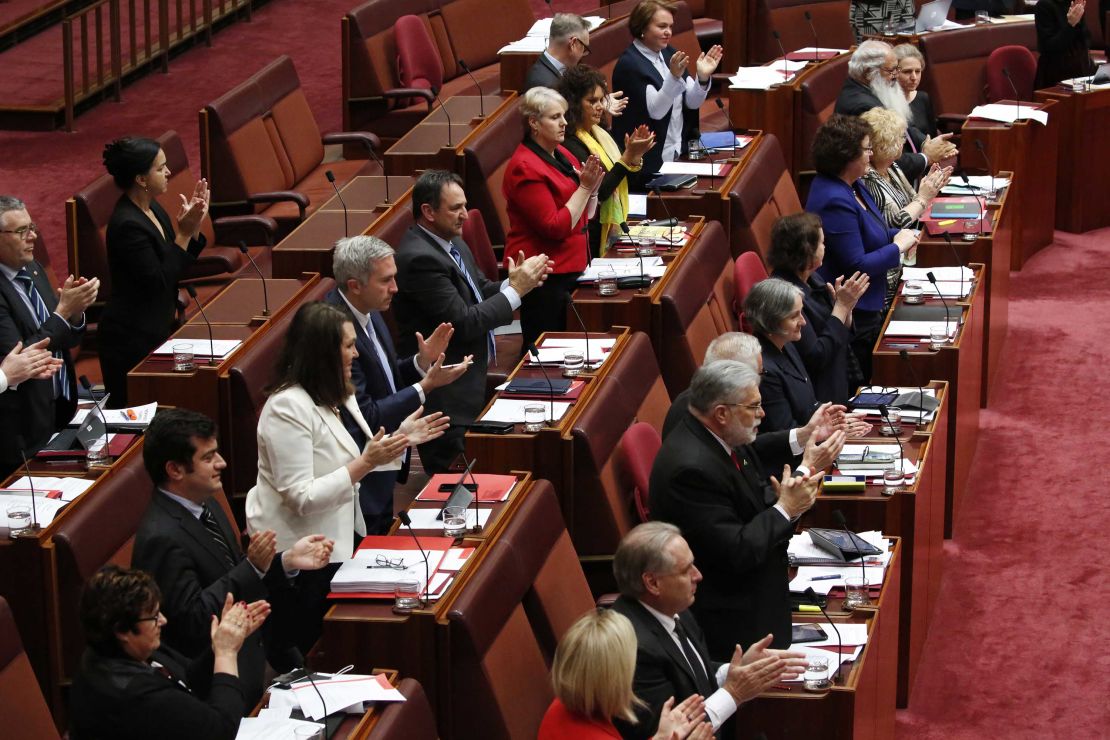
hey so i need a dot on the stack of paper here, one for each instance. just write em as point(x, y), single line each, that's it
point(801, 546)
point(653, 267)
point(43, 511)
point(942, 274)
point(763, 78)
point(135, 417)
point(661, 234)
point(948, 290)
point(542, 27)
point(829, 577)
point(68, 488)
point(271, 725)
point(980, 184)
point(426, 518)
point(369, 570)
point(701, 169)
point(218, 348)
point(1007, 113)
point(920, 328)
point(809, 651)
point(536, 38)
point(908, 466)
point(346, 692)
point(512, 410)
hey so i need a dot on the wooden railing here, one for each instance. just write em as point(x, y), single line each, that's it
point(92, 69)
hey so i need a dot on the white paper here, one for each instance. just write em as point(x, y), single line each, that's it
point(542, 27)
point(604, 344)
point(817, 652)
point(426, 518)
point(342, 691)
point(919, 328)
point(653, 267)
point(454, 560)
point(119, 417)
point(806, 573)
point(637, 204)
point(702, 169)
point(979, 184)
point(362, 574)
point(942, 274)
point(70, 487)
point(818, 49)
point(792, 65)
point(528, 43)
point(201, 347)
point(948, 290)
point(759, 78)
point(43, 511)
point(852, 634)
point(510, 328)
point(512, 410)
point(271, 727)
point(801, 546)
point(1007, 113)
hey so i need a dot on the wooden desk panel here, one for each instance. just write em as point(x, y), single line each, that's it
point(368, 193)
point(431, 145)
point(1081, 195)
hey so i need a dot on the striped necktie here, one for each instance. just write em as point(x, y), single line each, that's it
point(457, 256)
point(61, 378)
point(217, 534)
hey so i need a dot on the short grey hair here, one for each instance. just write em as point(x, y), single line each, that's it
point(10, 203)
point(643, 550)
point(909, 51)
point(536, 100)
point(354, 258)
point(719, 382)
point(734, 345)
point(867, 57)
point(566, 25)
point(768, 303)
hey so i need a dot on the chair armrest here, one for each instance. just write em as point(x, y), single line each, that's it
point(253, 230)
point(280, 196)
point(411, 92)
point(370, 141)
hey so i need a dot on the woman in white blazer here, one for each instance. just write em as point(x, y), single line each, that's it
point(308, 463)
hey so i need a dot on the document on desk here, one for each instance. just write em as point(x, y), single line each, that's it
point(942, 274)
point(829, 577)
point(909, 467)
point(852, 634)
point(762, 78)
point(979, 184)
point(948, 290)
point(219, 348)
point(271, 726)
point(70, 488)
point(44, 511)
point(137, 417)
point(1007, 113)
point(343, 692)
point(653, 267)
point(542, 27)
point(801, 546)
point(512, 410)
point(376, 570)
point(701, 169)
point(426, 518)
point(920, 329)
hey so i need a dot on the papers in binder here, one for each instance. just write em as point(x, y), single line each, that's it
point(69, 488)
point(623, 267)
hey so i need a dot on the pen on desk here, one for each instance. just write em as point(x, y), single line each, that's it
point(903, 346)
point(825, 578)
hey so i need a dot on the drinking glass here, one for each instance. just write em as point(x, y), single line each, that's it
point(454, 521)
point(183, 359)
point(535, 417)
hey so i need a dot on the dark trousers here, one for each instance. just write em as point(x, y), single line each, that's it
point(865, 330)
point(545, 308)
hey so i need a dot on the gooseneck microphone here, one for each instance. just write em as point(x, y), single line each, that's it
point(211, 341)
point(975, 194)
point(407, 522)
point(385, 175)
point(1017, 97)
point(884, 411)
point(812, 596)
point(624, 228)
point(331, 178)
point(481, 95)
point(838, 515)
point(34, 526)
point(990, 168)
point(905, 355)
point(959, 262)
point(265, 292)
point(947, 315)
point(84, 381)
point(585, 331)
point(816, 46)
point(550, 388)
point(470, 471)
point(670, 219)
point(446, 115)
point(785, 66)
point(731, 125)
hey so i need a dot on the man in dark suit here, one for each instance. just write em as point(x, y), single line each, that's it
point(387, 389)
point(873, 83)
point(30, 312)
point(439, 282)
point(707, 481)
point(568, 42)
point(187, 544)
point(655, 572)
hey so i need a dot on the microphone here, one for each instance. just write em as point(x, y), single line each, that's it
point(671, 219)
point(470, 471)
point(960, 262)
point(331, 178)
point(585, 332)
point(446, 115)
point(816, 46)
point(374, 156)
point(407, 522)
point(785, 67)
point(731, 125)
point(947, 315)
point(481, 96)
point(1017, 97)
point(975, 195)
point(265, 293)
point(993, 194)
point(84, 381)
point(211, 342)
point(917, 381)
point(34, 526)
point(838, 515)
point(884, 412)
point(550, 388)
point(812, 596)
point(643, 284)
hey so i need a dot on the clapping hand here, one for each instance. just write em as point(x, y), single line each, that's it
point(31, 362)
point(847, 292)
point(194, 209)
point(707, 63)
point(427, 350)
point(794, 662)
point(615, 103)
point(1075, 12)
point(526, 274)
point(380, 449)
point(308, 553)
point(262, 548)
point(685, 721)
point(592, 172)
point(796, 493)
point(420, 429)
point(637, 143)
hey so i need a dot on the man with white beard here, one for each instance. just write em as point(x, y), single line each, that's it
point(873, 83)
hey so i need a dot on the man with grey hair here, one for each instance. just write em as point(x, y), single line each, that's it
point(387, 389)
point(30, 312)
point(657, 578)
point(873, 83)
point(706, 480)
point(568, 42)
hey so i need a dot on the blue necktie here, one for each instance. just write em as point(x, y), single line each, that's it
point(455, 255)
point(61, 378)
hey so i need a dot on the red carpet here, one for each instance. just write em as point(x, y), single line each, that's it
point(1018, 646)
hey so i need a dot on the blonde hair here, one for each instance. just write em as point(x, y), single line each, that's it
point(535, 102)
point(594, 666)
point(888, 132)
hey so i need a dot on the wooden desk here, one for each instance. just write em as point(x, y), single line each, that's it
point(436, 144)
point(154, 379)
point(1028, 150)
point(960, 363)
point(992, 249)
point(861, 704)
point(1081, 199)
point(514, 68)
point(631, 307)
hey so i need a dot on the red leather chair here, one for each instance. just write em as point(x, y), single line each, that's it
point(476, 236)
point(639, 446)
point(418, 62)
point(26, 716)
point(411, 719)
point(1021, 65)
point(748, 271)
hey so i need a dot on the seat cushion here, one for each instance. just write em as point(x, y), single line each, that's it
point(299, 133)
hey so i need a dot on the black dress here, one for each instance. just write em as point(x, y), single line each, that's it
point(922, 116)
point(1065, 49)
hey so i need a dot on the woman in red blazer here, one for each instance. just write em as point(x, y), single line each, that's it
point(549, 201)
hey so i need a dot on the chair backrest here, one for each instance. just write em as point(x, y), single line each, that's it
point(486, 156)
point(26, 716)
point(696, 306)
point(1020, 64)
point(816, 103)
point(411, 719)
point(749, 271)
point(559, 593)
point(418, 62)
point(956, 63)
point(762, 194)
point(87, 216)
point(639, 446)
point(499, 683)
point(476, 236)
point(830, 18)
point(1096, 23)
point(604, 508)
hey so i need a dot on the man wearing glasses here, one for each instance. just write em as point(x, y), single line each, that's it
point(29, 313)
point(706, 480)
point(568, 43)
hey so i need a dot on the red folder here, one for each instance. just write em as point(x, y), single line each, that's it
point(491, 488)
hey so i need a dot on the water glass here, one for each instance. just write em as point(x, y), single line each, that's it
point(892, 424)
point(406, 596)
point(606, 283)
point(19, 520)
point(982, 17)
point(913, 292)
point(535, 417)
point(893, 480)
point(97, 454)
point(645, 248)
point(888, 26)
point(938, 336)
point(454, 521)
point(694, 150)
point(816, 677)
point(856, 593)
point(573, 362)
point(183, 359)
point(309, 732)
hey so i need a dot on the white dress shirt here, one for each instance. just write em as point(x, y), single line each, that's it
point(672, 96)
point(367, 327)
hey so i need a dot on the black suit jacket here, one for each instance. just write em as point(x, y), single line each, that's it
point(541, 74)
point(380, 406)
point(431, 290)
point(662, 671)
point(855, 99)
point(175, 548)
point(787, 391)
point(30, 410)
point(825, 343)
point(738, 539)
point(115, 697)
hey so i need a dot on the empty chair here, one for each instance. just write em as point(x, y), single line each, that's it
point(26, 716)
point(639, 446)
point(1019, 64)
point(749, 270)
point(763, 193)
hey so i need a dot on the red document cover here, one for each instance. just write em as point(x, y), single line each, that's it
point(491, 488)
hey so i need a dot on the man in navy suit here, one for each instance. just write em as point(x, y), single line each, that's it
point(388, 390)
point(568, 42)
point(31, 312)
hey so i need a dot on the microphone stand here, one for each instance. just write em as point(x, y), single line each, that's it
point(84, 381)
point(550, 388)
point(448, 115)
point(481, 95)
point(980, 202)
point(671, 220)
point(331, 178)
point(884, 412)
point(838, 515)
point(992, 196)
point(1017, 97)
point(785, 66)
point(34, 527)
point(585, 332)
point(947, 315)
point(405, 520)
point(374, 155)
point(265, 293)
point(477, 489)
point(959, 262)
point(816, 46)
point(211, 342)
point(812, 596)
point(639, 255)
point(731, 125)
point(920, 388)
